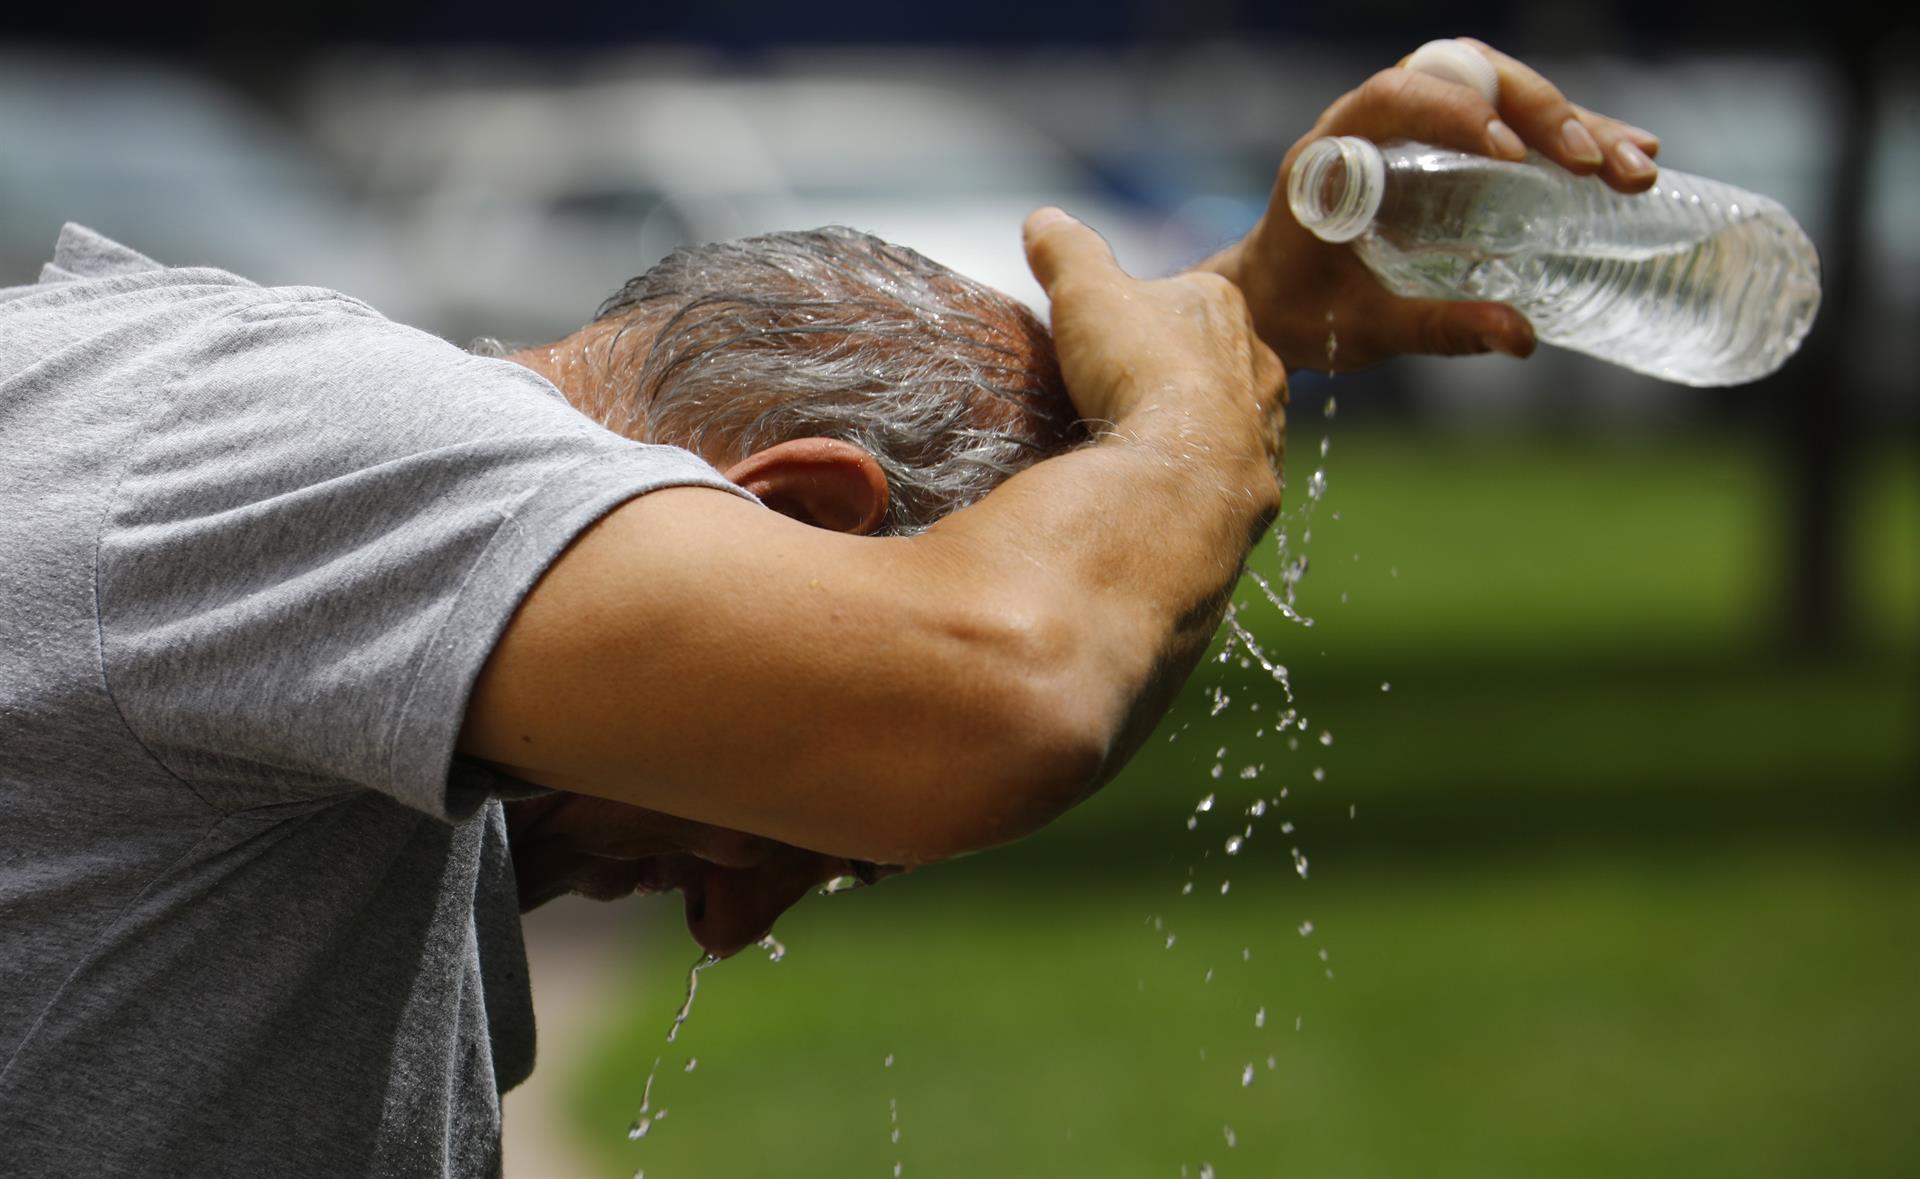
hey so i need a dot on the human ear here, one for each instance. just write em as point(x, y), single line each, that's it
point(820, 481)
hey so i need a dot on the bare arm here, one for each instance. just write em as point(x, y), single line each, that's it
point(903, 700)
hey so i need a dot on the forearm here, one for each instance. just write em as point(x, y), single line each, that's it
point(1141, 538)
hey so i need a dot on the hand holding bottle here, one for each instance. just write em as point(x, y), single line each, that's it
point(1293, 281)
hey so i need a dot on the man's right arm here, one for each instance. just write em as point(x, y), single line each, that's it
point(907, 699)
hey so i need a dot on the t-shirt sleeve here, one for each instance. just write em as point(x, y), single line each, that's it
point(327, 524)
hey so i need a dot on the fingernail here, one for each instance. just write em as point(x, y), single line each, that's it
point(1632, 160)
point(1050, 215)
point(1579, 142)
point(1504, 141)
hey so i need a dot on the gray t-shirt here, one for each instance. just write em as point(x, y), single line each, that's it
point(255, 544)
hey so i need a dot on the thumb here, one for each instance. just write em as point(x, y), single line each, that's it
point(1446, 328)
point(1058, 246)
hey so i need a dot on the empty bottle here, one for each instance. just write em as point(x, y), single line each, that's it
point(1693, 281)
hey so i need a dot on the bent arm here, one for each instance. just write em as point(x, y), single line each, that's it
point(898, 700)
point(903, 700)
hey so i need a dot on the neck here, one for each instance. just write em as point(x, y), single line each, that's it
point(577, 366)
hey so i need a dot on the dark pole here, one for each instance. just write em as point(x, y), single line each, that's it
point(1817, 419)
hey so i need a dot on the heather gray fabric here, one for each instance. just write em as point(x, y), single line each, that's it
point(255, 918)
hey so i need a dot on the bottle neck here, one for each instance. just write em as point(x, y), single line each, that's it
point(1336, 187)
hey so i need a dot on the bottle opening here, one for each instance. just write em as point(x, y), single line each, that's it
point(1336, 186)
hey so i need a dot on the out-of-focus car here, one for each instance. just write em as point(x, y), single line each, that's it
point(525, 205)
point(185, 172)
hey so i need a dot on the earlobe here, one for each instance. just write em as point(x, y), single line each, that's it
point(825, 482)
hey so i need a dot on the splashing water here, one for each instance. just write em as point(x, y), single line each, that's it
point(1260, 1018)
point(775, 951)
point(693, 989)
point(1206, 804)
point(1234, 844)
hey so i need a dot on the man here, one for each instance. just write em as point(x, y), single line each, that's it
point(295, 597)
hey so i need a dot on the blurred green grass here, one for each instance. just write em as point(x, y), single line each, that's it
point(1610, 883)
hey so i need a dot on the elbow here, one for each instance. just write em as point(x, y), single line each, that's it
point(1030, 737)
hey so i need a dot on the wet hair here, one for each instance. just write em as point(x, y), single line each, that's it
point(951, 385)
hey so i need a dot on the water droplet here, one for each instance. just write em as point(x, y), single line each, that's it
point(1258, 808)
point(1286, 828)
point(775, 951)
point(1385, 686)
point(1317, 484)
point(1306, 928)
point(1299, 863)
point(888, 1062)
point(1249, 772)
point(1206, 1171)
point(1192, 822)
point(1323, 953)
point(1259, 733)
point(1224, 886)
point(1326, 738)
point(1186, 890)
point(1296, 1023)
point(1246, 953)
point(1260, 1018)
point(1169, 941)
point(693, 1062)
point(1228, 1130)
point(639, 1128)
point(1319, 773)
point(1353, 809)
point(1217, 770)
point(1332, 407)
point(1234, 843)
point(1206, 804)
point(1208, 977)
point(1246, 1076)
point(1326, 441)
point(1293, 742)
point(1272, 1064)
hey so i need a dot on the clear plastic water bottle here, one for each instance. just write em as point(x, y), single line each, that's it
point(1692, 281)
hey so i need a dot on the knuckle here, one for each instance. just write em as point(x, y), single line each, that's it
point(1386, 88)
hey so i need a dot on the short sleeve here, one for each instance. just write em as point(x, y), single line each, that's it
point(321, 534)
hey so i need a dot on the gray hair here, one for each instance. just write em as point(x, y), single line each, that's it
point(951, 385)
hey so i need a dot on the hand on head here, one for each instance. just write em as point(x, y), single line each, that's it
point(1180, 348)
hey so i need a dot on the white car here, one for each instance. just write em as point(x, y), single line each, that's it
point(524, 206)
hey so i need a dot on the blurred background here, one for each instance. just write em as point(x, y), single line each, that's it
point(1596, 856)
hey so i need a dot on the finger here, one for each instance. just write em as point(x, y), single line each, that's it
point(735, 908)
point(1645, 140)
point(1060, 247)
point(1443, 327)
point(1629, 167)
point(1543, 116)
point(1401, 104)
